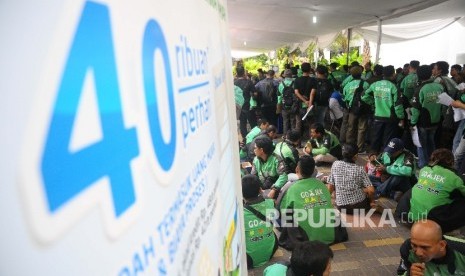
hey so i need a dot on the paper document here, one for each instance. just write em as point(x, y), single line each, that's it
point(415, 138)
point(445, 99)
point(461, 86)
point(459, 114)
point(308, 111)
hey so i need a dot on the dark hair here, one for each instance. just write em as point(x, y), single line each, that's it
point(378, 69)
point(345, 67)
point(271, 128)
point(406, 66)
point(321, 69)
point(262, 122)
point(414, 64)
point(457, 67)
point(354, 63)
point(319, 128)
point(270, 73)
point(264, 142)
point(442, 157)
point(356, 72)
point(306, 165)
point(310, 258)
point(240, 71)
point(305, 67)
point(424, 72)
point(388, 71)
point(349, 151)
point(334, 65)
point(250, 186)
point(443, 66)
point(293, 135)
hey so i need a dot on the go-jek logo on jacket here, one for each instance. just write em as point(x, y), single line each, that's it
point(77, 171)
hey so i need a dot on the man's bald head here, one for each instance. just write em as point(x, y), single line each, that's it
point(426, 240)
point(427, 229)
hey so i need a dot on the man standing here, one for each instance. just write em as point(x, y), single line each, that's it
point(303, 85)
point(427, 252)
point(247, 89)
point(320, 94)
point(389, 111)
point(426, 113)
point(268, 97)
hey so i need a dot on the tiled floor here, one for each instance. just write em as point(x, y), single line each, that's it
point(370, 250)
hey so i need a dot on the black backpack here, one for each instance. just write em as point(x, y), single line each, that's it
point(324, 89)
point(268, 95)
point(359, 107)
point(289, 98)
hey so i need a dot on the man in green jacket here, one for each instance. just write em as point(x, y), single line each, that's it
point(389, 111)
point(429, 253)
point(426, 113)
point(398, 165)
point(287, 150)
point(260, 240)
point(323, 145)
point(310, 196)
point(269, 167)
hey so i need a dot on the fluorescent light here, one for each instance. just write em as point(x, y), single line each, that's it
point(245, 43)
point(314, 19)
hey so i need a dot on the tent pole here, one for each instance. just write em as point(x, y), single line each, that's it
point(349, 36)
point(378, 45)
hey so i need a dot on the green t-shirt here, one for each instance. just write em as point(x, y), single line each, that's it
point(435, 184)
point(312, 196)
point(259, 237)
point(384, 95)
point(408, 85)
point(238, 96)
point(426, 111)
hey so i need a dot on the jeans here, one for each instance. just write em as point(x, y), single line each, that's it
point(426, 136)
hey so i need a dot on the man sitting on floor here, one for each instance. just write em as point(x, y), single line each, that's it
point(323, 145)
point(398, 165)
point(306, 210)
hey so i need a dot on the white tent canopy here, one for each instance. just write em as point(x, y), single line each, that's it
point(260, 26)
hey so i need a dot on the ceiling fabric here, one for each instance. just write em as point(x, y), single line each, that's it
point(261, 26)
point(403, 32)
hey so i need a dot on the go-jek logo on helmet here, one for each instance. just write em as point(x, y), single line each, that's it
point(76, 168)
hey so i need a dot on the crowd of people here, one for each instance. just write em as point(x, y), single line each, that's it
point(409, 124)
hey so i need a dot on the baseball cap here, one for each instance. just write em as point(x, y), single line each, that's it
point(394, 145)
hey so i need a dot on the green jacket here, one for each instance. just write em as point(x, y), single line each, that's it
point(272, 172)
point(328, 143)
point(426, 111)
point(348, 79)
point(289, 154)
point(408, 85)
point(287, 82)
point(386, 98)
point(434, 188)
point(453, 262)
point(259, 237)
point(253, 133)
point(403, 165)
point(312, 196)
point(349, 91)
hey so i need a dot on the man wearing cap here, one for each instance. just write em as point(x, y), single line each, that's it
point(398, 165)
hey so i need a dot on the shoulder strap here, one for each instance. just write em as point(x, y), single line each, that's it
point(255, 212)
